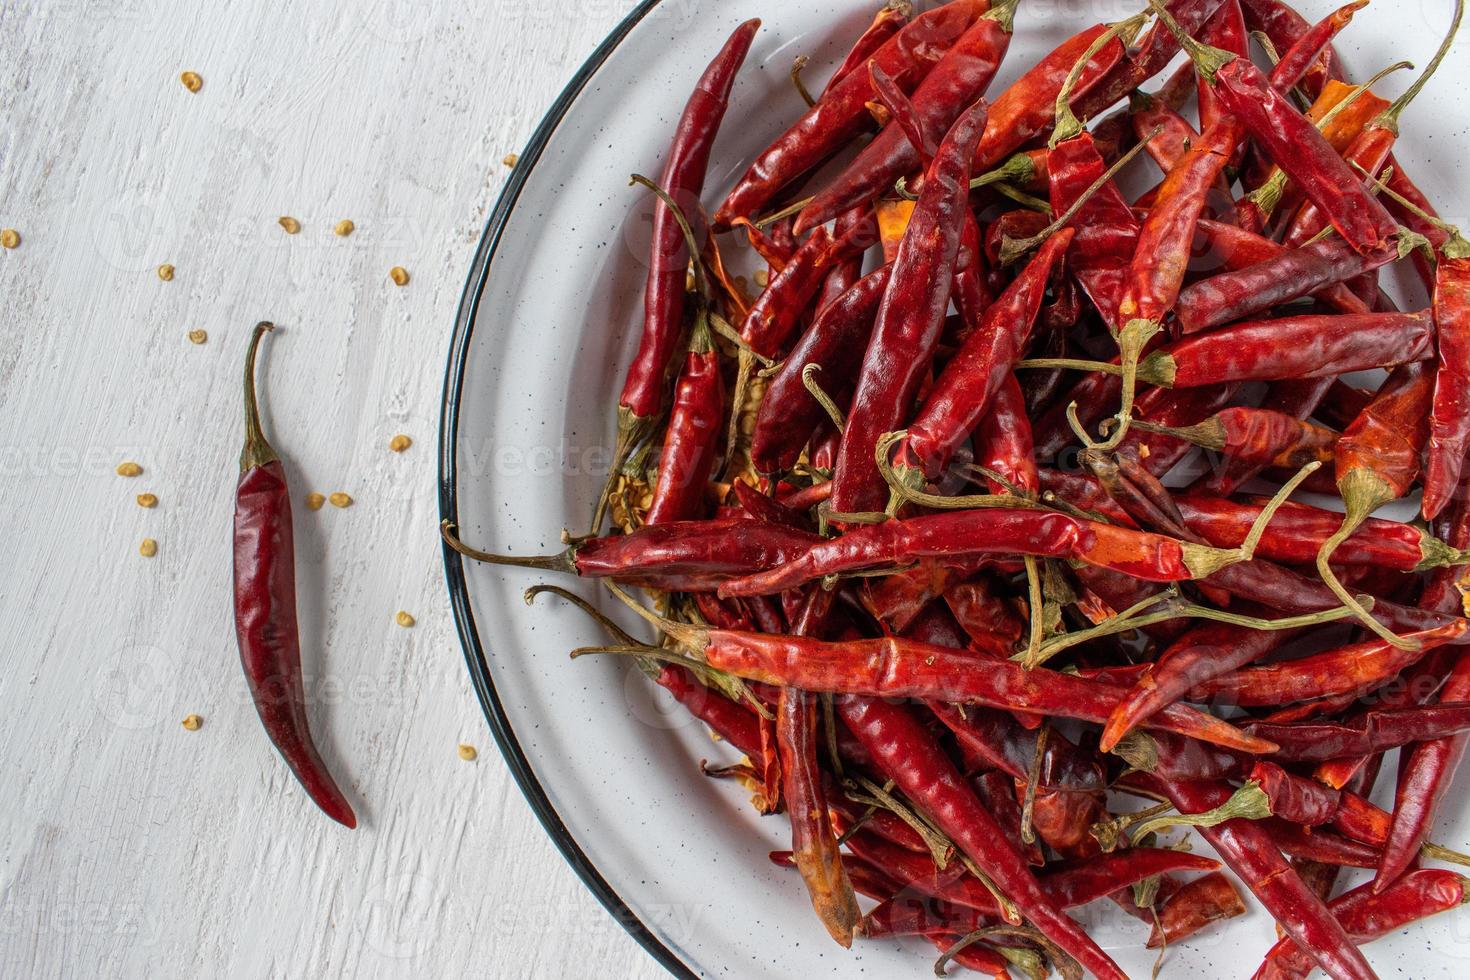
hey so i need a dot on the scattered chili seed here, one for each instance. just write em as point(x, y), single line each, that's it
point(344, 228)
point(9, 238)
point(340, 500)
point(399, 443)
point(289, 223)
point(129, 468)
point(314, 501)
point(511, 159)
point(147, 501)
point(399, 275)
point(193, 723)
point(198, 336)
point(192, 81)
point(762, 278)
point(468, 753)
point(148, 548)
point(166, 272)
point(404, 619)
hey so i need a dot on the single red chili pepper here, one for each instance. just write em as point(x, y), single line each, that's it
point(907, 754)
point(733, 722)
point(971, 381)
point(1290, 275)
point(1311, 804)
point(1003, 441)
point(909, 320)
point(867, 878)
point(1371, 150)
point(885, 824)
point(642, 399)
point(777, 311)
point(1258, 435)
point(842, 112)
point(1419, 219)
point(888, 21)
point(956, 81)
point(1285, 28)
point(265, 605)
point(692, 436)
point(1296, 533)
point(976, 957)
point(1226, 30)
point(813, 845)
point(970, 533)
point(1377, 731)
point(895, 667)
point(1292, 141)
point(834, 343)
point(1311, 46)
point(1449, 418)
point(1247, 848)
point(1358, 667)
point(1378, 460)
point(1366, 916)
point(844, 275)
point(757, 505)
point(1199, 903)
point(686, 556)
point(1297, 399)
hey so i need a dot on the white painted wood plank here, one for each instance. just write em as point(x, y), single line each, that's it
point(129, 847)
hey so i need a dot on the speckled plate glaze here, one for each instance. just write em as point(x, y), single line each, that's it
point(548, 322)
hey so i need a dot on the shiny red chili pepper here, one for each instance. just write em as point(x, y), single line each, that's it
point(1003, 441)
point(1311, 804)
point(1366, 916)
point(265, 605)
point(1296, 399)
point(906, 753)
point(956, 81)
point(777, 311)
point(1311, 46)
point(1260, 436)
point(887, 22)
point(909, 320)
point(842, 112)
point(1449, 419)
point(1285, 28)
point(735, 723)
point(1226, 30)
point(1196, 905)
point(692, 436)
point(971, 380)
point(642, 399)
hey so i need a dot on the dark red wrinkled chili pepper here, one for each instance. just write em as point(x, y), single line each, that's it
point(642, 399)
point(1261, 436)
point(1449, 418)
point(842, 112)
point(265, 605)
point(1285, 28)
point(1297, 399)
point(907, 754)
point(1196, 905)
point(909, 320)
point(1376, 731)
point(955, 82)
point(692, 436)
point(888, 21)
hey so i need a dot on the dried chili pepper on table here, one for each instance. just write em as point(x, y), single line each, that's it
point(265, 605)
point(642, 399)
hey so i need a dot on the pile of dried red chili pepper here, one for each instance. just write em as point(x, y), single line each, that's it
point(924, 523)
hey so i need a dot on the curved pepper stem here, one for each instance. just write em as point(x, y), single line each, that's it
point(1363, 492)
point(566, 561)
point(1132, 340)
point(1250, 802)
point(257, 451)
point(1208, 60)
point(1389, 118)
point(1068, 126)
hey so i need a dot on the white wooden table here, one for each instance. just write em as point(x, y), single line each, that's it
point(128, 845)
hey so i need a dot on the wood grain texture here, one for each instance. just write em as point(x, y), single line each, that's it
point(128, 846)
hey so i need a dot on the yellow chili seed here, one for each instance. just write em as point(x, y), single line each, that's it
point(340, 499)
point(511, 159)
point(289, 223)
point(344, 227)
point(148, 548)
point(762, 278)
point(193, 723)
point(147, 501)
point(166, 272)
point(197, 336)
point(314, 501)
point(9, 238)
point(399, 275)
point(399, 443)
point(129, 468)
point(468, 753)
point(192, 81)
point(404, 619)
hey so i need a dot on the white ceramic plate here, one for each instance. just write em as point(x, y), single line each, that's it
point(548, 323)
